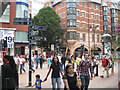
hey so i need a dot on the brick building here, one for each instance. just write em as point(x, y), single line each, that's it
point(84, 23)
point(16, 35)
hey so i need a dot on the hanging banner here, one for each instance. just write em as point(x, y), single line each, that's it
point(9, 36)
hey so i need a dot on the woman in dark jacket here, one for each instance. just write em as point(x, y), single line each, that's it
point(9, 73)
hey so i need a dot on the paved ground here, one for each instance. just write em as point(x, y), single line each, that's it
point(97, 82)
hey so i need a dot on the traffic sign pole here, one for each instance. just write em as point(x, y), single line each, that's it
point(30, 67)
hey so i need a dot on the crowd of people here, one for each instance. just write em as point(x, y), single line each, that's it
point(80, 68)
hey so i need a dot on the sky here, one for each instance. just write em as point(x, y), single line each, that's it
point(38, 4)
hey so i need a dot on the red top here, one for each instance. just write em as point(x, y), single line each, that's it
point(104, 62)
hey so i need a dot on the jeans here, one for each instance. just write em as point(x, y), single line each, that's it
point(85, 82)
point(22, 68)
point(36, 65)
point(54, 81)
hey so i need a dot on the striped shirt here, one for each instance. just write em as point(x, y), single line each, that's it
point(84, 67)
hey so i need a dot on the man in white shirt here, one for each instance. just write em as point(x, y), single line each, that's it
point(17, 61)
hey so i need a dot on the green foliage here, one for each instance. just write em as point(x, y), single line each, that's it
point(117, 42)
point(48, 18)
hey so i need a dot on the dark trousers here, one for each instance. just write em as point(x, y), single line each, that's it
point(85, 82)
point(96, 70)
point(22, 68)
point(41, 64)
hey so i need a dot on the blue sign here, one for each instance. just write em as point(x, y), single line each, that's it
point(22, 23)
point(39, 38)
point(22, 19)
point(38, 27)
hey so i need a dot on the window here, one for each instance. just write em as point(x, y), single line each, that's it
point(78, 36)
point(97, 17)
point(105, 18)
point(47, 4)
point(92, 6)
point(92, 16)
point(71, 23)
point(113, 11)
point(78, 24)
point(97, 7)
point(77, 3)
point(20, 10)
point(6, 15)
point(71, 11)
point(98, 40)
point(71, 35)
point(83, 25)
point(105, 8)
point(61, 5)
point(77, 13)
point(93, 37)
point(58, 7)
point(83, 14)
point(83, 3)
point(83, 37)
point(62, 16)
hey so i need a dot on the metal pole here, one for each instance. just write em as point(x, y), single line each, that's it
point(94, 41)
point(30, 71)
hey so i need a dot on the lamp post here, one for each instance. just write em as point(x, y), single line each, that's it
point(106, 38)
point(94, 28)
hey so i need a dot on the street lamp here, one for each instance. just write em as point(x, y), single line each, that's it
point(94, 28)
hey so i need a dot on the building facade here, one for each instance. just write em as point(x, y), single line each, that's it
point(16, 35)
point(84, 23)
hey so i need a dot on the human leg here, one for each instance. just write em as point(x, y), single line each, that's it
point(53, 83)
point(87, 80)
point(83, 81)
point(58, 83)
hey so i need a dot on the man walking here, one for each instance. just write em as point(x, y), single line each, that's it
point(105, 64)
point(83, 70)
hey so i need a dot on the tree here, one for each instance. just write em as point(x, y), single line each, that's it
point(48, 18)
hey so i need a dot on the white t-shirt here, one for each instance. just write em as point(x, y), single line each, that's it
point(16, 59)
point(22, 60)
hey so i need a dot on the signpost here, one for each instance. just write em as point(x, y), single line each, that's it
point(28, 21)
point(38, 27)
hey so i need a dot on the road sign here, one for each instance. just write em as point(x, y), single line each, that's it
point(38, 27)
point(22, 19)
point(34, 32)
point(39, 38)
point(22, 23)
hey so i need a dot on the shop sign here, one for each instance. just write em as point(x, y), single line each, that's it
point(9, 36)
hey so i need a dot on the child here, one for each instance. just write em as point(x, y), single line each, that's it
point(38, 82)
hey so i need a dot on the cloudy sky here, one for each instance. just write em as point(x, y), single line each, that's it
point(38, 4)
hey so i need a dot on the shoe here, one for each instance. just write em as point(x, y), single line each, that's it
point(33, 71)
point(102, 76)
point(107, 76)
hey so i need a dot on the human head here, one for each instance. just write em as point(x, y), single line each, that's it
point(104, 56)
point(86, 56)
point(16, 55)
point(55, 59)
point(69, 68)
point(37, 76)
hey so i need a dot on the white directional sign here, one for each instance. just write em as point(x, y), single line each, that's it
point(38, 27)
point(52, 47)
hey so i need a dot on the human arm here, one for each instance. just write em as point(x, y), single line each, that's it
point(66, 84)
point(91, 71)
point(61, 72)
point(47, 75)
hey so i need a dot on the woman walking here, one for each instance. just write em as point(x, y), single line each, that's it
point(70, 78)
point(56, 70)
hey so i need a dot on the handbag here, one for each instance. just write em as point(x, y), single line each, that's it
point(79, 82)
